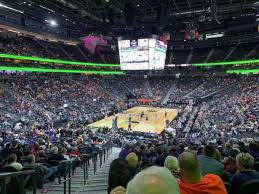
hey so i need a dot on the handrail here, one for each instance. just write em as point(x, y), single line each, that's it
point(21, 182)
point(103, 154)
point(11, 174)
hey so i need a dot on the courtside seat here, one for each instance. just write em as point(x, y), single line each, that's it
point(250, 187)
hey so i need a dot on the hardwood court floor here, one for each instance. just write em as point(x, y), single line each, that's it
point(155, 123)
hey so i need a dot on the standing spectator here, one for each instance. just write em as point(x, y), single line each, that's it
point(153, 180)
point(172, 164)
point(119, 174)
point(133, 162)
point(208, 164)
point(192, 180)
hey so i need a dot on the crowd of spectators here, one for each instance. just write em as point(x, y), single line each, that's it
point(45, 150)
point(18, 44)
point(167, 165)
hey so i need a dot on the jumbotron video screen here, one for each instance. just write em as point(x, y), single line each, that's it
point(142, 54)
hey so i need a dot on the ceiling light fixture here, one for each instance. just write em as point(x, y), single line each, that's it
point(10, 8)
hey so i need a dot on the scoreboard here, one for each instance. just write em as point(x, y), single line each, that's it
point(142, 54)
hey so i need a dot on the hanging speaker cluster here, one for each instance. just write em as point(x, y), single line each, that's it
point(130, 14)
point(163, 13)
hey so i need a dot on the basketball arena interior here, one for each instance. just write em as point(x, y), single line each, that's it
point(129, 97)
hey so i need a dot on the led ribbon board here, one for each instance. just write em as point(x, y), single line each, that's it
point(27, 58)
point(243, 71)
point(28, 69)
point(226, 63)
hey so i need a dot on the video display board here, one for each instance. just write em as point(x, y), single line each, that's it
point(142, 54)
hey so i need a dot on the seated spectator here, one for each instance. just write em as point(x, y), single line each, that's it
point(62, 154)
point(234, 152)
point(19, 151)
point(254, 149)
point(42, 171)
point(208, 164)
point(132, 160)
point(161, 159)
point(55, 154)
point(172, 164)
point(230, 166)
point(12, 162)
point(153, 180)
point(192, 180)
point(227, 149)
point(217, 155)
point(41, 158)
point(118, 190)
point(245, 172)
point(119, 174)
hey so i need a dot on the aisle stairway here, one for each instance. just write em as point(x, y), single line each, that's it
point(96, 184)
point(167, 96)
point(148, 89)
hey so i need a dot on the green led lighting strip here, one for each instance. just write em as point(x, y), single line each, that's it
point(243, 71)
point(20, 57)
point(28, 69)
point(226, 63)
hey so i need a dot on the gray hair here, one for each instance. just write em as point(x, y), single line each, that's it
point(54, 150)
point(153, 180)
point(246, 160)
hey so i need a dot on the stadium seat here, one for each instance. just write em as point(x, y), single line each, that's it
point(250, 187)
point(228, 187)
point(28, 179)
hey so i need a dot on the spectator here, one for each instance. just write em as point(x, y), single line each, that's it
point(124, 152)
point(172, 164)
point(42, 171)
point(161, 159)
point(254, 149)
point(153, 180)
point(118, 190)
point(13, 163)
point(192, 180)
point(245, 172)
point(230, 166)
point(208, 163)
point(132, 160)
point(119, 174)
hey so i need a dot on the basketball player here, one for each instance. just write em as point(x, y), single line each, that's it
point(129, 126)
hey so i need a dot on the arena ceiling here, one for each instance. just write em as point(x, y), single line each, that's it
point(117, 15)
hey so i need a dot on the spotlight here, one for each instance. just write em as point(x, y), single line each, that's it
point(53, 23)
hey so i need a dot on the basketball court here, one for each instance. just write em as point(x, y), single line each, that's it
point(153, 120)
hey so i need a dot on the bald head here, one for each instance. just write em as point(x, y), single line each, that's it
point(153, 180)
point(189, 167)
point(132, 159)
point(118, 190)
point(171, 163)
